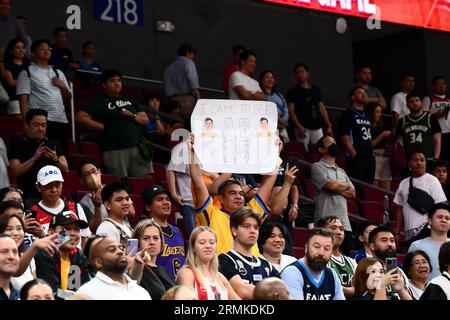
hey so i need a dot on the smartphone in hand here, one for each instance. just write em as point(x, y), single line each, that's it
point(391, 264)
point(132, 246)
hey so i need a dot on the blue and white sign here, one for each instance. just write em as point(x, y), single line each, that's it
point(129, 12)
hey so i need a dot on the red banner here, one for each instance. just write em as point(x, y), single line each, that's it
point(431, 14)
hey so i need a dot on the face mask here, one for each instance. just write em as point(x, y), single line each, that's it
point(93, 181)
point(333, 150)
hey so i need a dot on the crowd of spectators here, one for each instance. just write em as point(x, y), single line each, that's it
point(234, 239)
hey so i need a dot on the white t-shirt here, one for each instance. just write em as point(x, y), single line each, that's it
point(18, 282)
point(54, 211)
point(284, 262)
point(413, 220)
point(109, 228)
point(240, 79)
point(398, 104)
point(103, 287)
point(435, 107)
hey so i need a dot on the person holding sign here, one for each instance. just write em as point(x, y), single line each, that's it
point(231, 197)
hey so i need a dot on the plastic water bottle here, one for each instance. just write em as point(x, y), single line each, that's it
point(386, 211)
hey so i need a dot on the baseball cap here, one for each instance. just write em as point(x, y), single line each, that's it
point(49, 174)
point(149, 193)
point(66, 217)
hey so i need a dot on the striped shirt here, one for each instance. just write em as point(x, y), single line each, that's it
point(43, 94)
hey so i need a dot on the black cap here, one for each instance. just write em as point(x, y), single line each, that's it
point(65, 218)
point(149, 193)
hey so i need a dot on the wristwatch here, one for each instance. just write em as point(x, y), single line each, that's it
point(134, 116)
point(294, 205)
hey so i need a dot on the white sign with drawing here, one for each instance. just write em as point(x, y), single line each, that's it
point(236, 136)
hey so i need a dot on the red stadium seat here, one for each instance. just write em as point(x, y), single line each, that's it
point(309, 188)
point(138, 185)
point(313, 158)
point(298, 252)
point(93, 150)
point(373, 210)
point(159, 172)
point(298, 147)
point(9, 126)
point(72, 183)
point(352, 208)
point(72, 147)
point(372, 194)
point(107, 179)
point(138, 208)
point(300, 236)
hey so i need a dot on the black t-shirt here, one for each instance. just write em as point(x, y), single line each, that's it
point(375, 132)
point(356, 124)
point(306, 103)
point(156, 282)
point(119, 133)
point(15, 70)
point(417, 132)
point(61, 57)
point(24, 149)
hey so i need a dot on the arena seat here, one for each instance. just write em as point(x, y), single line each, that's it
point(92, 149)
point(373, 210)
point(159, 172)
point(298, 252)
point(138, 185)
point(298, 147)
point(299, 235)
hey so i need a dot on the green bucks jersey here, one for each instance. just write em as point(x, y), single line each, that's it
point(418, 133)
point(345, 268)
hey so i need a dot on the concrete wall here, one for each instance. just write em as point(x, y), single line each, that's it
point(280, 36)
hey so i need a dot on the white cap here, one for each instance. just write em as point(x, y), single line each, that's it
point(49, 174)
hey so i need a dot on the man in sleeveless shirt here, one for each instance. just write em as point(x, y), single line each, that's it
point(420, 130)
point(239, 265)
point(309, 278)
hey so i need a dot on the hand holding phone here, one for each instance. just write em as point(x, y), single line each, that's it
point(132, 247)
point(391, 264)
point(32, 212)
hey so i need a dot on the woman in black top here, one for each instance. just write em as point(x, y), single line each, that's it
point(380, 136)
point(155, 279)
point(15, 62)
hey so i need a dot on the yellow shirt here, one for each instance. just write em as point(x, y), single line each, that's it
point(65, 267)
point(219, 221)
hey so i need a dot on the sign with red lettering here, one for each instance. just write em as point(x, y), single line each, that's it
point(430, 14)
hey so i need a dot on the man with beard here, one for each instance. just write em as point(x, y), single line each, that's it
point(111, 283)
point(9, 264)
point(309, 278)
point(382, 244)
point(354, 131)
point(118, 203)
point(66, 270)
point(420, 130)
point(344, 266)
point(240, 266)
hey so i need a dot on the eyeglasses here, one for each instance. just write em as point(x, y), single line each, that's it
point(419, 263)
point(92, 171)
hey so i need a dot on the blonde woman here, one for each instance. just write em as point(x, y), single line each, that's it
point(201, 271)
point(155, 279)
